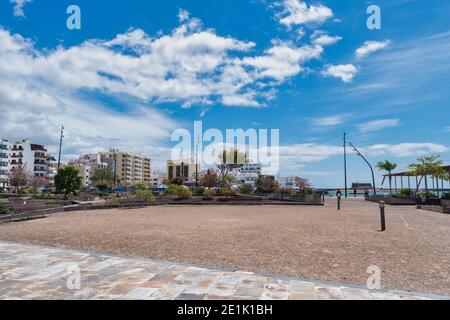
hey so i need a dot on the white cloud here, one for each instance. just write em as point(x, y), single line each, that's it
point(18, 7)
point(296, 12)
point(406, 149)
point(345, 72)
point(376, 125)
point(183, 15)
point(192, 65)
point(330, 120)
point(297, 156)
point(41, 89)
point(326, 40)
point(283, 60)
point(370, 47)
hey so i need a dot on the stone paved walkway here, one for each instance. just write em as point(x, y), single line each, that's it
point(36, 272)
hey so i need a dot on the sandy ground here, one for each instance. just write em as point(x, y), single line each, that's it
point(312, 242)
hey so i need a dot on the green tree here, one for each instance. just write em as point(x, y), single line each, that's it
point(431, 165)
point(388, 167)
point(103, 179)
point(266, 184)
point(68, 180)
point(140, 186)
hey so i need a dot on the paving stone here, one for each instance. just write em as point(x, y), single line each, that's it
point(356, 294)
point(301, 286)
point(328, 293)
point(185, 296)
point(34, 272)
point(141, 293)
point(301, 295)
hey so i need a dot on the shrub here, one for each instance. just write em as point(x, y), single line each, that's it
point(114, 200)
point(199, 191)
point(246, 189)
point(285, 192)
point(425, 194)
point(140, 186)
point(172, 189)
point(183, 193)
point(266, 184)
point(406, 193)
point(209, 194)
point(4, 210)
point(146, 194)
point(306, 192)
point(227, 192)
point(446, 196)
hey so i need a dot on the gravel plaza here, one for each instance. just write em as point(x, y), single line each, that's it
point(312, 244)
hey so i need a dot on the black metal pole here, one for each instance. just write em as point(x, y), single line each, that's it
point(345, 164)
point(383, 216)
point(339, 199)
point(370, 166)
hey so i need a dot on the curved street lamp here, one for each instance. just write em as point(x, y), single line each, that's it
point(370, 166)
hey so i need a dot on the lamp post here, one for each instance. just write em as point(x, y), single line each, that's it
point(345, 164)
point(370, 166)
point(60, 147)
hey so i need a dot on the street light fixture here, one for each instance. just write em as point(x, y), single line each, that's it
point(370, 166)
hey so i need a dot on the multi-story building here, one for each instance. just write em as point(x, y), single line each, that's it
point(87, 165)
point(157, 179)
point(185, 170)
point(287, 183)
point(4, 163)
point(34, 158)
point(248, 168)
point(128, 168)
point(248, 173)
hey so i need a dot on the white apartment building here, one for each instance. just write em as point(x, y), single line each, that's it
point(248, 168)
point(34, 158)
point(287, 183)
point(248, 174)
point(4, 163)
point(157, 179)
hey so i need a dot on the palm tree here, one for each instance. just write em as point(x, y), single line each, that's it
point(427, 166)
point(389, 167)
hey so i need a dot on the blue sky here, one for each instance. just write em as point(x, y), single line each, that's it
point(139, 69)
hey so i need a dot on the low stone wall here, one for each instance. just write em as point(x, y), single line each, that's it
point(440, 209)
point(42, 213)
point(393, 201)
point(39, 214)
